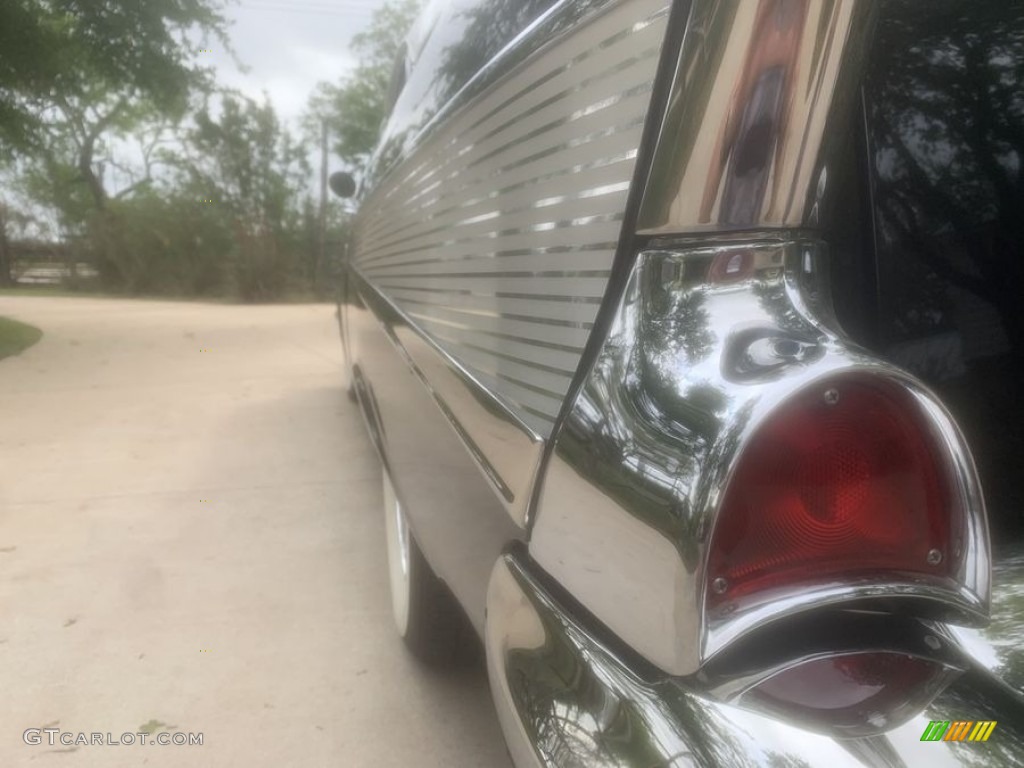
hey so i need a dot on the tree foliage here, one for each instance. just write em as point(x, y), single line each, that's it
point(246, 158)
point(57, 54)
point(355, 108)
point(947, 123)
point(246, 164)
point(111, 126)
point(77, 76)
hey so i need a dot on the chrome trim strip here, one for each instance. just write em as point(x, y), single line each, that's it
point(570, 177)
point(571, 253)
point(371, 418)
point(505, 450)
point(758, 85)
point(547, 313)
point(512, 623)
point(688, 372)
point(844, 633)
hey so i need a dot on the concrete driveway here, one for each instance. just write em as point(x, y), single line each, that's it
point(190, 541)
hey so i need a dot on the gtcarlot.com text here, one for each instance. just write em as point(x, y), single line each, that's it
point(55, 737)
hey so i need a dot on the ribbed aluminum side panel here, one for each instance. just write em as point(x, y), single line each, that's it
point(497, 237)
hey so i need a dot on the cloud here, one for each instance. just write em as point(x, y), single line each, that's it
point(287, 53)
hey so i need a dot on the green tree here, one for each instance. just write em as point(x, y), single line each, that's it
point(77, 74)
point(86, 62)
point(245, 163)
point(170, 243)
point(355, 108)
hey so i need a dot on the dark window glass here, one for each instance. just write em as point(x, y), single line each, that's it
point(462, 37)
point(944, 105)
point(450, 42)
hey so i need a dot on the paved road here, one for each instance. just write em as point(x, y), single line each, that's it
point(190, 536)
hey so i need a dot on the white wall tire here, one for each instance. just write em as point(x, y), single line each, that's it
point(397, 531)
point(425, 613)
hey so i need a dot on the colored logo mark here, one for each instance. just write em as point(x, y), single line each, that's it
point(959, 730)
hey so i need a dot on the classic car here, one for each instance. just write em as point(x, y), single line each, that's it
point(689, 336)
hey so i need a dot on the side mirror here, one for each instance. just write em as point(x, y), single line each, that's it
point(342, 184)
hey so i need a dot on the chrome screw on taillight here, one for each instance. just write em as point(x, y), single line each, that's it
point(934, 557)
point(831, 396)
point(720, 586)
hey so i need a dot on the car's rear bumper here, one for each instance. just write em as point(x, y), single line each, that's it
point(565, 698)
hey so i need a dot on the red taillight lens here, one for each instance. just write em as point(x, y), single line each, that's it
point(843, 481)
point(850, 692)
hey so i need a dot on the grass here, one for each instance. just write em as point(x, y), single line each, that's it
point(48, 290)
point(16, 337)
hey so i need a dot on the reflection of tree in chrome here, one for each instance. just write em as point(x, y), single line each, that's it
point(982, 696)
point(479, 29)
point(489, 26)
point(1008, 616)
point(677, 329)
point(580, 717)
point(776, 303)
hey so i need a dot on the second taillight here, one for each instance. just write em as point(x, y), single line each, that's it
point(843, 482)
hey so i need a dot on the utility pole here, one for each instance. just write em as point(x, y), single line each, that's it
point(321, 258)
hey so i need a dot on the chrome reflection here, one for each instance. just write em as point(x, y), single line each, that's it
point(757, 84)
point(561, 699)
point(567, 700)
point(695, 361)
point(843, 674)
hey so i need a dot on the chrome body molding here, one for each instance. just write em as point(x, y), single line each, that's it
point(506, 451)
point(496, 234)
point(745, 139)
point(371, 414)
point(513, 624)
point(567, 697)
point(689, 371)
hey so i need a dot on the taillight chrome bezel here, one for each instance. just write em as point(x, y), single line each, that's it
point(739, 675)
point(689, 370)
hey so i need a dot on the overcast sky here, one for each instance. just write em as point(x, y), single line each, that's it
point(291, 45)
point(288, 46)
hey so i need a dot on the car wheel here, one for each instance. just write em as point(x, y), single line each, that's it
point(426, 615)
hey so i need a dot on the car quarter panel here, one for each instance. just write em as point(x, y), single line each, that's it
point(480, 259)
point(496, 236)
